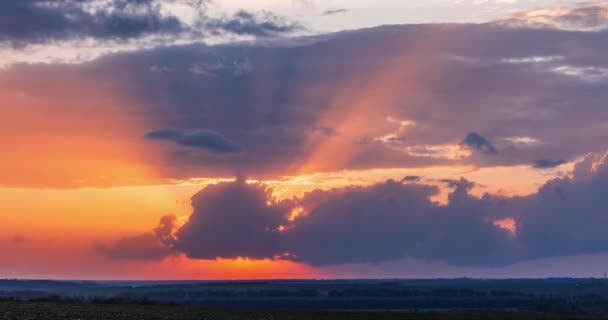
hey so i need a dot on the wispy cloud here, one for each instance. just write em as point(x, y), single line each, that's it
point(332, 12)
point(586, 16)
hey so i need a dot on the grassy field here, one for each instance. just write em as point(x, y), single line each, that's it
point(67, 311)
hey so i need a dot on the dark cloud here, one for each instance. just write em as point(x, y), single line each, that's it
point(462, 183)
point(165, 229)
point(411, 179)
point(39, 21)
point(248, 23)
point(233, 220)
point(205, 139)
point(144, 247)
point(345, 224)
point(384, 222)
point(477, 142)
point(392, 220)
point(335, 11)
point(567, 216)
point(547, 163)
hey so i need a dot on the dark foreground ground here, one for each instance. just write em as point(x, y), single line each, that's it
point(16, 310)
point(360, 299)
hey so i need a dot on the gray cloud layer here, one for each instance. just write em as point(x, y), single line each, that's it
point(533, 93)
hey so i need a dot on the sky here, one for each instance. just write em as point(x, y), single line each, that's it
point(197, 139)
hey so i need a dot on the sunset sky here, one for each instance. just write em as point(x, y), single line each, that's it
point(238, 139)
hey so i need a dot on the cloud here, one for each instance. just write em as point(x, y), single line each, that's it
point(271, 99)
point(243, 22)
point(390, 221)
point(165, 229)
point(393, 220)
point(547, 163)
point(144, 247)
point(77, 31)
point(567, 215)
point(588, 16)
point(462, 183)
point(204, 139)
point(411, 179)
point(39, 20)
point(233, 220)
point(335, 11)
point(477, 142)
point(383, 222)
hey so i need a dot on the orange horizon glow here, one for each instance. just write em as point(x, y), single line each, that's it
point(67, 241)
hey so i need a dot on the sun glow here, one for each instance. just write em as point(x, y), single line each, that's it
point(295, 213)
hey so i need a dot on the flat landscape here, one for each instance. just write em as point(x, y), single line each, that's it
point(561, 298)
point(67, 311)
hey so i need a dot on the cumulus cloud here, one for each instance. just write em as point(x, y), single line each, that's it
point(391, 221)
point(205, 139)
point(373, 224)
point(477, 142)
point(567, 215)
point(233, 220)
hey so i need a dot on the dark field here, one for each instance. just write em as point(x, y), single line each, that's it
point(301, 299)
point(67, 311)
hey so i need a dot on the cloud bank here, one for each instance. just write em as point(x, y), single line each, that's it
point(396, 220)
